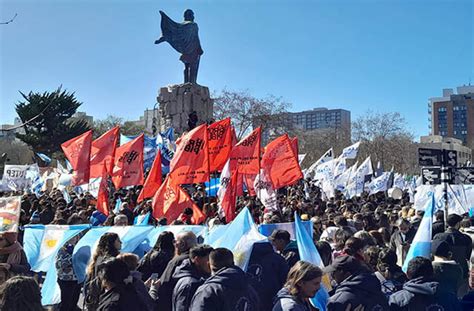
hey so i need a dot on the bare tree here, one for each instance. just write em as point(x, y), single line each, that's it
point(128, 128)
point(385, 138)
point(248, 111)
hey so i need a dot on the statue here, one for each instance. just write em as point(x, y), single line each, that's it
point(183, 37)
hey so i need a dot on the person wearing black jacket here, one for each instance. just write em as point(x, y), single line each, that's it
point(438, 225)
point(269, 271)
point(421, 292)
point(156, 260)
point(119, 294)
point(190, 275)
point(162, 292)
point(356, 286)
point(285, 246)
point(461, 247)
point(228, 288)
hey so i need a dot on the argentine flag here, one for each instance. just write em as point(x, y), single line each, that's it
point(421, 245)
point(308, 252)
point(142, 220)
point(42, 244)
point(239, 237)
point(131, 237)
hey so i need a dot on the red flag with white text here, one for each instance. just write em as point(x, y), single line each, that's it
point(245, 156)
point(102, 204)
point(78, 151)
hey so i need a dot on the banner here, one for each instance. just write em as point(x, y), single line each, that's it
point(10, 208)
point(78, 151)
point(149, 149)
point(14, 177)
point(220, 144)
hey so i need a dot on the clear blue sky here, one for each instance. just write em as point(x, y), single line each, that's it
point(357, 55)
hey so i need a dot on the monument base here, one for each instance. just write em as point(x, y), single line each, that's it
point(179, 102)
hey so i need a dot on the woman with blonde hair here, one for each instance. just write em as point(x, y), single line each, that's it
point(303, 282)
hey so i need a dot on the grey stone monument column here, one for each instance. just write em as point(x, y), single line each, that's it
point(178, 102)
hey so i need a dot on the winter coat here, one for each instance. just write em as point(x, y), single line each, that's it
point(401, 245)
point(154, 262)
point(269, 271)
point(461, 247)
point(164, 294)
point(142, 291)
point(189, 279)
point(422, 294)
point(284, 301)
point(227, 290)
point(448, 274)
point(120, 298)
point(290, 253)
point(359, 289)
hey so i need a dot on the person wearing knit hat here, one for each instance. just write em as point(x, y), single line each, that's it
point(12, 256)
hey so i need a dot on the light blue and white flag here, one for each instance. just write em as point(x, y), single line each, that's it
point(60, 168)
point(309, 253)
point(351, 151)
point(357, 181)
point(239, 237)
point(44, 157)
point(42, 248)
point(142, 220)
point(327, 156)
point(421, 245)
point(69, 166)
point(165, 141)
point(118, 205)
point(215, 233)
point(213, 187)
point(131, 237)
point(66, 196)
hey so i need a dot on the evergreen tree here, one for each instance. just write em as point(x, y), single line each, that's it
point(47, 120)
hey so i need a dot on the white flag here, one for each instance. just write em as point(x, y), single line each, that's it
point(265, 192)
point(327, 156)
point(351, 151)
point(380, 183)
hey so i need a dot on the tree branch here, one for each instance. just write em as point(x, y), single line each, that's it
point(10, 21)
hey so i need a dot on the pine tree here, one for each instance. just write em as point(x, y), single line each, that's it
point(46, 119)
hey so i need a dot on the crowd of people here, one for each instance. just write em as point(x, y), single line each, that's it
point(362, 242)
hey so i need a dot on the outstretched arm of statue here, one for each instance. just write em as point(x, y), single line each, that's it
point(162, 39)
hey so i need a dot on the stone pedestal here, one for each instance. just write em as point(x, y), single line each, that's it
point(177, 102)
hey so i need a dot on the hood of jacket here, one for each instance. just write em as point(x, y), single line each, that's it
point(232, 278)
point(261, 249)
point(364, 283)
point(421, 286)
point(186, 269)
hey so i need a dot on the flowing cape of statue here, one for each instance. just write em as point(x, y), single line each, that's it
point(183, 37)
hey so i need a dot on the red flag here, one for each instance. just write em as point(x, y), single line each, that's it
point(190, 163)
point(170, 201)
point(128, 168)
point(245, 156)
point(103, 150)
point(153, 181)
point(78, 151)
point(294, 145)
point(281, 163)
point(220, 144)
point(249, 181)
point(103, 195)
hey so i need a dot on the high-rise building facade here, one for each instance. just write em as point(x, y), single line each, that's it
point(453, 114)
point(321, 118)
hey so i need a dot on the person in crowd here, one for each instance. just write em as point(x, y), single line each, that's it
point(131, 260)
point(13, 259)
point(156, 260)
point(401, 239)
point(190, 275)
point(447, 272)
point(438, 225)
point(325, 251)
point(227, 289)
point(20, 293)
point(303, 282)
point(285, 246)
point(421, 292)
point(460, 245)
point(162, 290)
point(356, 286)
point(269, 271)
point(109, 246)
point(118, 292)
point(390, 275)
point(354, 247)
point(340, 238)
point(120, 220)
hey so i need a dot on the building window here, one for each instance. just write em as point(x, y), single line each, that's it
point(442, 109)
